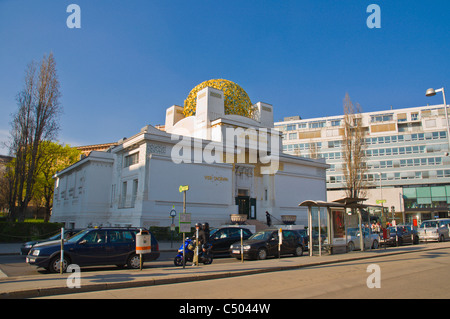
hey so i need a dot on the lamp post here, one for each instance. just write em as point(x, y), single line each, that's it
point(432, 92)
point(381, 198)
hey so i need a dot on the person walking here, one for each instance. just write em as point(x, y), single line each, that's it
point(199, 239)
point(268, 219)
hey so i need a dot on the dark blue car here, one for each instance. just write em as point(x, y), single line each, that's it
point(92, 247)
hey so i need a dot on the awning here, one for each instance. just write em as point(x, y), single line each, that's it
point(319, 203)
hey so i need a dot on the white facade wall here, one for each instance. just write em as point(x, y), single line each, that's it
point(137, 182)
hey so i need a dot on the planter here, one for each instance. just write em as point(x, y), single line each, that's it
point(288, 219)
point(238, 219)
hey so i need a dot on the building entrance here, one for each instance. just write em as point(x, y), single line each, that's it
point(246, 206)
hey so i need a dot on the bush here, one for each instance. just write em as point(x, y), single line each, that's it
point(21, 232)
point(164, 233)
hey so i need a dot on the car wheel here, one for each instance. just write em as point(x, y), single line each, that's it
point(350, 246)
point(134, 262)
point(298, 251)
point(208, 260)
point(262, 254)
point(54, 265)
point(375, 244)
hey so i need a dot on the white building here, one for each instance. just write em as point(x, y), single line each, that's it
point(232, 164)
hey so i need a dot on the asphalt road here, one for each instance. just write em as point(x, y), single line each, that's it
point(415, 275)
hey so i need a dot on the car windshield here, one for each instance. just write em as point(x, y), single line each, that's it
point(78, 236)
point(212, 232)
point(429, 223)
point(55, 237)
point(262, 235)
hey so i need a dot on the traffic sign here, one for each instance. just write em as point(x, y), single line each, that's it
point(381, 201)
point(183, 188)
point(185, 223)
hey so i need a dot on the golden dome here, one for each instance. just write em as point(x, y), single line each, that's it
point(236, 99)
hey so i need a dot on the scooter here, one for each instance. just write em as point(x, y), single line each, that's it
point(204, 257)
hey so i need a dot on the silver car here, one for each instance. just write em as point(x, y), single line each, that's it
point(434, 230)
point(371, 240)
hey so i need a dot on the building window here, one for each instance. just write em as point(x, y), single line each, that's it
point(134, 194)
point(131, 159)
point(123, 198)
point(318, 124)
point(381, 118)
point(336, 123)
point(291, 127)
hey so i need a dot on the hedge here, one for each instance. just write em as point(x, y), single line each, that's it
point(21, 232)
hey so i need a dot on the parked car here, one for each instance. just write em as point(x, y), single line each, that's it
point(402, 234)
point(26, 247)
point(91, 247)
point(434, 230)
point(265, 243)
point(303, 234)
point(221, 239)
point(371, 239)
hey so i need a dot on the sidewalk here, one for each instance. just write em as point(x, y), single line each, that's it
point(56, 284)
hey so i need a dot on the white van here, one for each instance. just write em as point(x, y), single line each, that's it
point(434, 230)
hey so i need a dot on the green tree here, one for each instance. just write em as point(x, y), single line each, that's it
point(55, 157)
point(36, 120)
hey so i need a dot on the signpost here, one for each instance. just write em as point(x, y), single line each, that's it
point(185, 221)
point(173, 214)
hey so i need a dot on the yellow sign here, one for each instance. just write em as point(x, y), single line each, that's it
point(184, 188)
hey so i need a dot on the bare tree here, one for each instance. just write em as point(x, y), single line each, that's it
point(354, 150)
point(36, 120)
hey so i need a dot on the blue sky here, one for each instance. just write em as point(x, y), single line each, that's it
point(132, 59)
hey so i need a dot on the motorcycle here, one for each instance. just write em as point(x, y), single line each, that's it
point(204, 257)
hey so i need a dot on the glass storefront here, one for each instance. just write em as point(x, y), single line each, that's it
point(426, 202)
point(429, 197)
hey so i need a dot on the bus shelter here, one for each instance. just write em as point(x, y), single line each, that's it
point(332, 224)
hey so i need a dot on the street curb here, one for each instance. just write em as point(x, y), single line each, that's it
point(51, 291)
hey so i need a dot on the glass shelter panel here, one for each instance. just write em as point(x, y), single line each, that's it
point(319, 229)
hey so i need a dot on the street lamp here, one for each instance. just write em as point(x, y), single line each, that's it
point(432, 92)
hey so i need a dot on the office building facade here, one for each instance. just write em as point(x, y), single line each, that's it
point(408, 167)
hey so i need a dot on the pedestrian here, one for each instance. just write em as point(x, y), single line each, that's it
point(205, 228)
point(195, 240)
point(199, 238)
point(268, 219)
